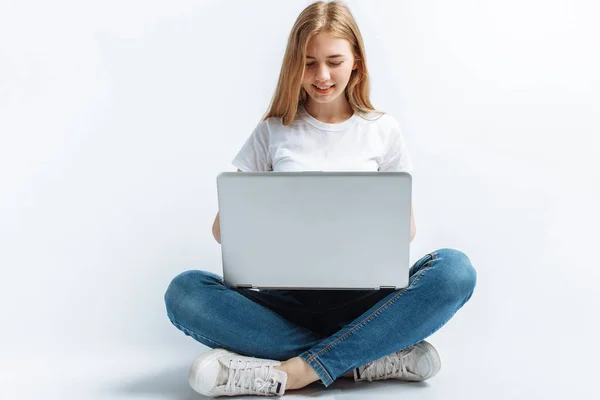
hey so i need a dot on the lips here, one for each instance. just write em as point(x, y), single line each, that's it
point(323, 87)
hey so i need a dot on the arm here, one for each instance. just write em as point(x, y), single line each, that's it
point(216, 228)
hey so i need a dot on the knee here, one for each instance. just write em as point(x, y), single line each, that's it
point(457, 275)
point(184, 284)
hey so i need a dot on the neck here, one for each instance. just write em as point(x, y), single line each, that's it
point(330, 113)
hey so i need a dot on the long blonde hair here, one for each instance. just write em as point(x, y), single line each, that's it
point(321, 16)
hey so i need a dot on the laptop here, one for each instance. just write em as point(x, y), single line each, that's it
point(315, 229)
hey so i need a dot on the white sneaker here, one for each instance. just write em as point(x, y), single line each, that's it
point(220, 372)
point(415, 363)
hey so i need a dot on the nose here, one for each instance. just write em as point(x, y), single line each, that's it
point(322, 74)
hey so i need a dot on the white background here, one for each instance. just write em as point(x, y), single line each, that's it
point(117, 116)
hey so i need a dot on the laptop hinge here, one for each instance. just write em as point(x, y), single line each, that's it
point(244, 286)
point(387, 287)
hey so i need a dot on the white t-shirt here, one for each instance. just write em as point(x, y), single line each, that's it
point(357, 144)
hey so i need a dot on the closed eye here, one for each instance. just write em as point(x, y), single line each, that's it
point(331, 63)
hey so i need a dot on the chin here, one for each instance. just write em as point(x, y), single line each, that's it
point(325, 99)
point(321, 101)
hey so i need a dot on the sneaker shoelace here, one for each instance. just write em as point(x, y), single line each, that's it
point(249, 379)
point(387, 366)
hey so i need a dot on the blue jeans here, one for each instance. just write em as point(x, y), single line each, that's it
point(334, 331)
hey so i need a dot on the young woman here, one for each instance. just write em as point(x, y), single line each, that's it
point(267, 342)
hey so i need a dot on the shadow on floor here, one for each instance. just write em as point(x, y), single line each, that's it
point(171, 383)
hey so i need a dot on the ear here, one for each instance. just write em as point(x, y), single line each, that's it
point(355, 66)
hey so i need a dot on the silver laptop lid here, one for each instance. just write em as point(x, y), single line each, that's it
point(314, 229)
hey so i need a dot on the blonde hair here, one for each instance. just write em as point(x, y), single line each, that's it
point(333, 17)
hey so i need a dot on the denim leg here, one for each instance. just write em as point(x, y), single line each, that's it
point(439, 285)
point(201, 306)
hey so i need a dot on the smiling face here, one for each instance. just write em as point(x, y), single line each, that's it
point(329, 64)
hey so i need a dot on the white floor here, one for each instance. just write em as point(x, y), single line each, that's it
point(523, 369)
point(520, 338)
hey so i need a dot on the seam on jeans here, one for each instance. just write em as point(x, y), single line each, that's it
point(355, 299)
point(387, 304)
point(318, 366)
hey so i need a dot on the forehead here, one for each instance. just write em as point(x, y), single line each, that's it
point(324, 44)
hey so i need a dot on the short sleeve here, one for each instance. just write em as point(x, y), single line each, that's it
point(395, 157)
point(254, 155)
